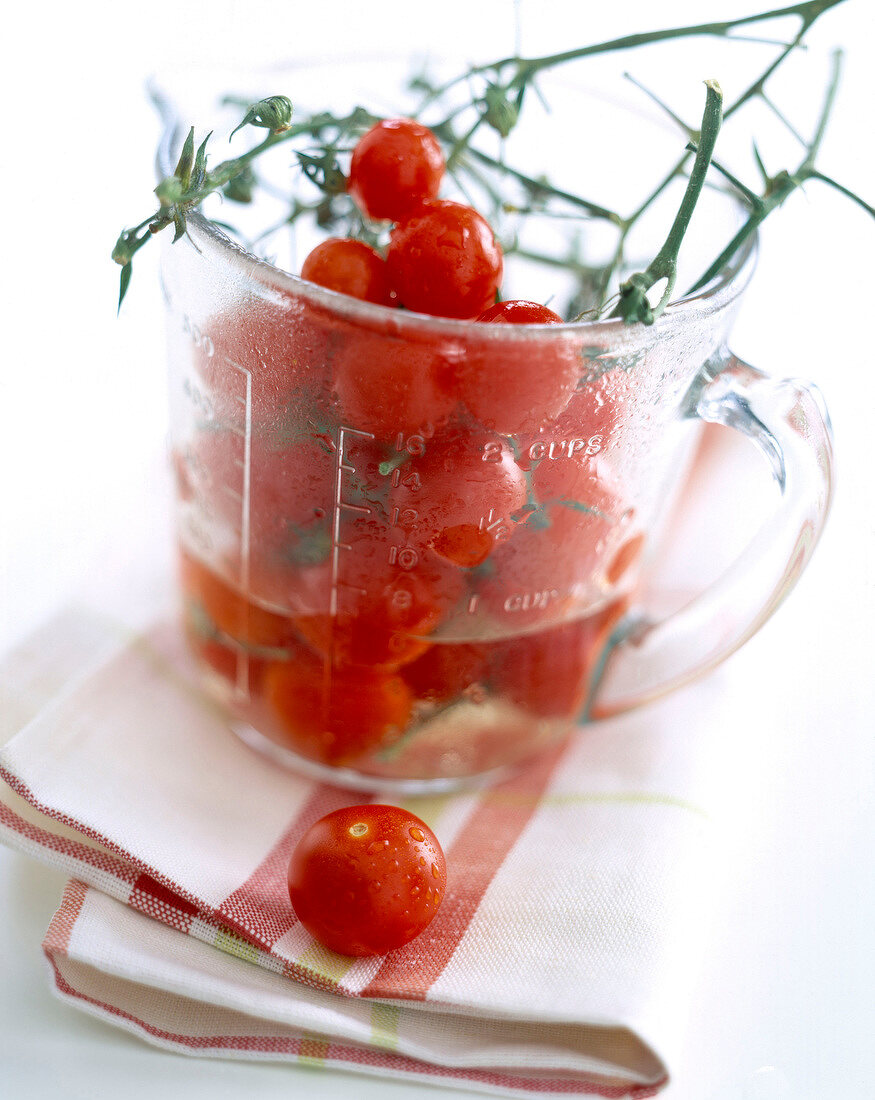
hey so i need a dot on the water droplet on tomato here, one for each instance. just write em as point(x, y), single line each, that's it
point(416, 833)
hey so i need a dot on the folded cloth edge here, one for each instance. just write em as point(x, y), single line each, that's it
point(115, 998)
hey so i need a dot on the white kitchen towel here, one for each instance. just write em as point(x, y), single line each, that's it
point(563, 956)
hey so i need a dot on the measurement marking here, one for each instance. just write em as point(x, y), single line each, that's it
point(242, 685)
point(353, 587)
point(339, 504)
point(363, 508)
point(243, 664)
point(489, 523)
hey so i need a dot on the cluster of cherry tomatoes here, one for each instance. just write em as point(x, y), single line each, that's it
point(442, 257)
point(467, 482)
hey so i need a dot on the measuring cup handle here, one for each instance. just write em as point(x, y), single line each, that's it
point(787, 421)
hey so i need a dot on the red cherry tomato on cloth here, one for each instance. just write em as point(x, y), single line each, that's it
point(367, 879)
point(444, 260)
point(349, 267)
point(395, 166)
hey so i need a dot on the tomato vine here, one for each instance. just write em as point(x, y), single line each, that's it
point(497, 95)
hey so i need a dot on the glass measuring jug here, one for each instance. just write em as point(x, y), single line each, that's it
point(411, 547)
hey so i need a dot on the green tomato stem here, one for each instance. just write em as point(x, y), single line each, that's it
point(633, 304)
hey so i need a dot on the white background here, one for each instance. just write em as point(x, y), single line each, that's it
point(785, 1006)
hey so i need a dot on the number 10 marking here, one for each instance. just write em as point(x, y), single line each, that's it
point(405, 558)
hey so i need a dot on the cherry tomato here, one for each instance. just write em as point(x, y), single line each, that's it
point(349, 267)
point(517, 311)
point(390, 596)
point(553, 561)
point(573, 551)
point(448, 671)
point(627, 555)
point(467, 495)
point(549, 673)
point(568, 471)
point(222, 657)
point(396, 165)
point(273, 352)
point(444, 260)
point(292, 525)
point(229, 611)
point(589, 425)
point(388, 385)
point(367, 879)
point(336, 719)
point(583, 499)
point(514, 386)
point(285, 485)
point(283, 523)
point(292, 485)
